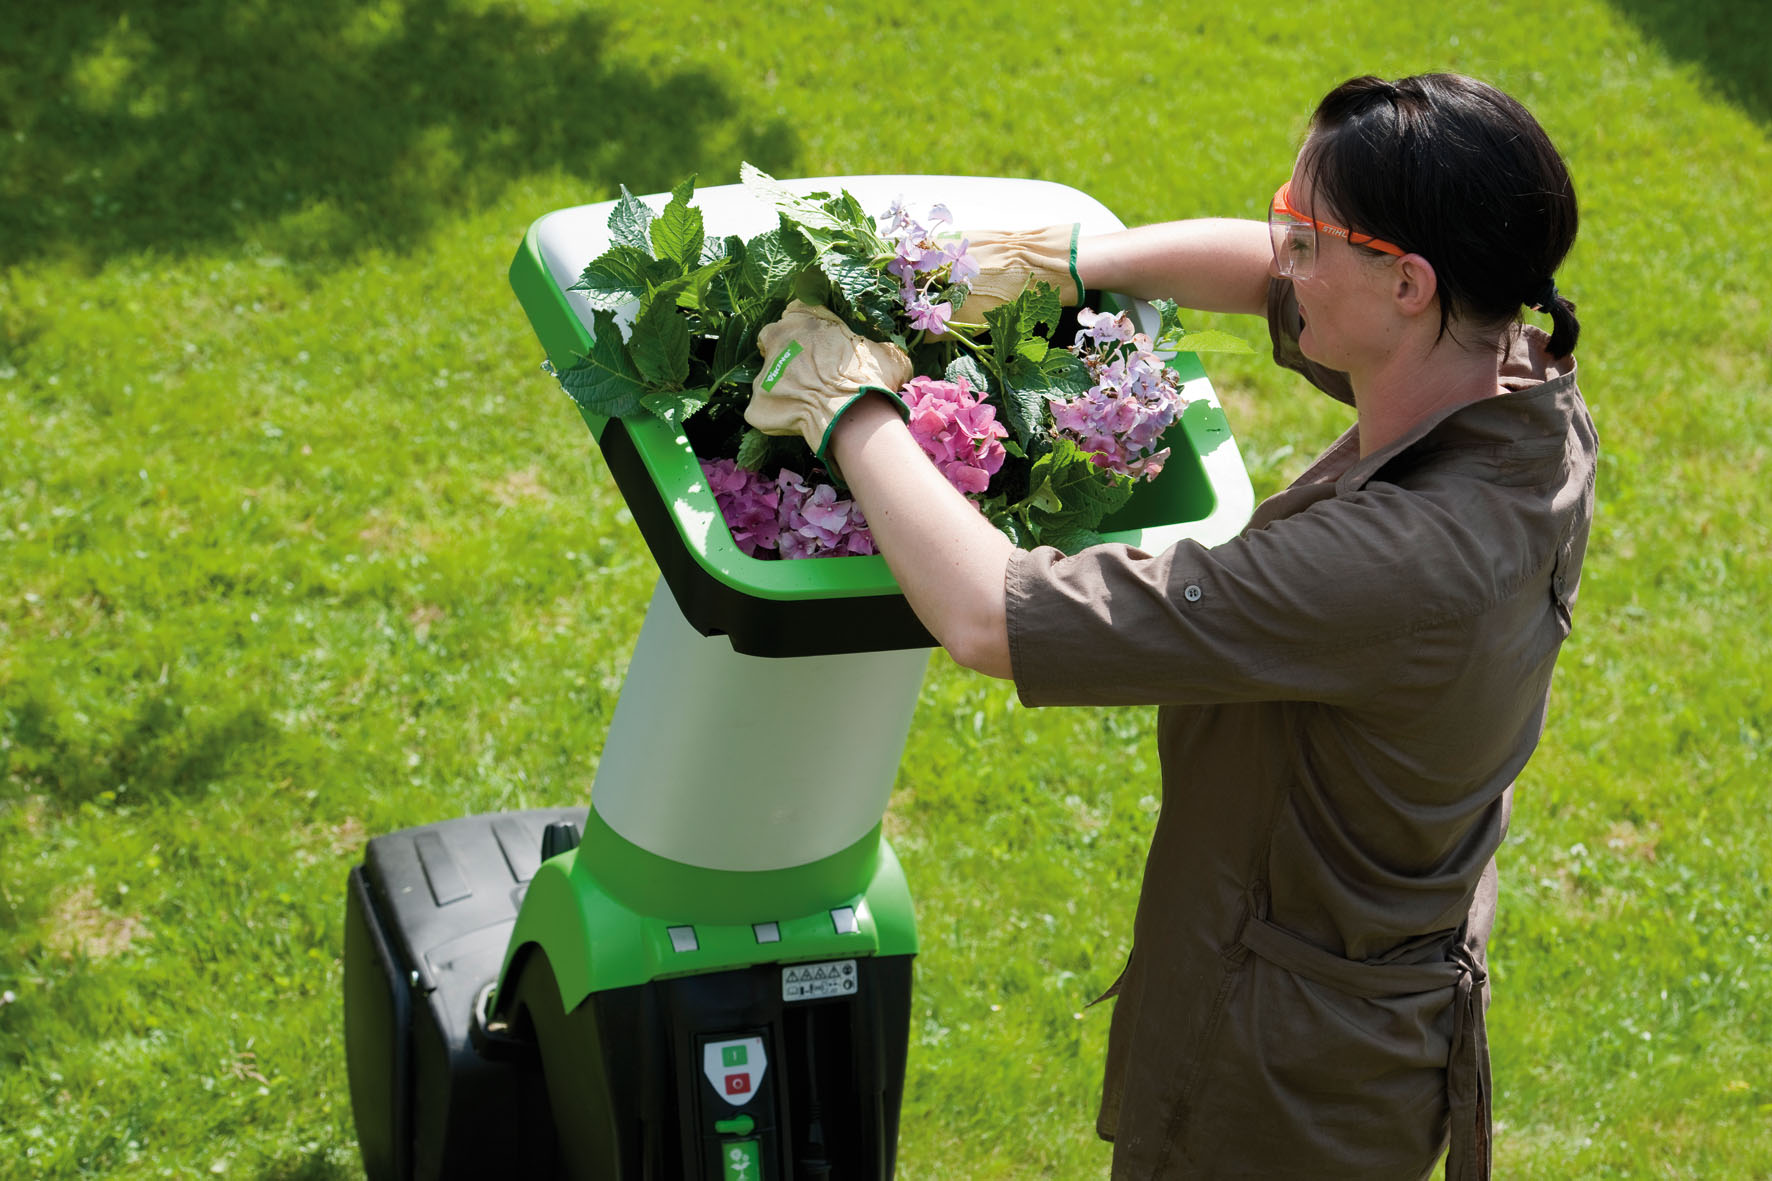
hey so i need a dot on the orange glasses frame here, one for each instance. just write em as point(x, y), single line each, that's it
point(1283, 204)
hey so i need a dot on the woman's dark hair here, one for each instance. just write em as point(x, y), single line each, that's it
point(1454, 170)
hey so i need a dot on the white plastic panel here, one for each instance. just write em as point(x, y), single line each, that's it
point(735, 762)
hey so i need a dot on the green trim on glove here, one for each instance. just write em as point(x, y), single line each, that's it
point(824, 444)
point(1076, 232)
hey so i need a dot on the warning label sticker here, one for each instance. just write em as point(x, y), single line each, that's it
point(812, 982)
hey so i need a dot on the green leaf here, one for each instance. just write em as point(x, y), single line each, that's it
point(1070, 494)
point(629, 220)
point(726, 290)
point(757, 451)
point(772, 193)
point(1209, 341)
point(675, 405)
point(856, 279)
point(659, 344)
point(848, 211)
point(811, 287)
point(605, 381)
point(867, 294)
point(1169, 319)
point(1023, 396)
point(692, 293)
point(772, 261)
point(967, 366)
point(1006, 330)
point(1040, 307)
point(1044, 498)
point(716, 248)
point(1065, 374)
point(753, 448)
point(736, 347)
point(677, 232)
point(1015, 326)
point(614, 278)
point(1172, 337)
point(1068, 537)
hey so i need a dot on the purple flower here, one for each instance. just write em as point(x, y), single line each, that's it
point(1103, 328)
point(962, 267)
point(930, 317)
point(1121, 419)
point(785, 516)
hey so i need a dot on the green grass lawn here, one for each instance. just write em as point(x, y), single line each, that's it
point(297, 545)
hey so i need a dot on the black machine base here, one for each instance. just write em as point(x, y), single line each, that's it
point(712, 1076)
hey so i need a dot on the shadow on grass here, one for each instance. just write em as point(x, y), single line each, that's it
point(326, 127)
point(1731, 41)
point(160, 745)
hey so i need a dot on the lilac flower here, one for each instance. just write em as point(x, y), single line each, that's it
point(1134, 399)
point(932, 259)
point(923, 267)
point(962, 267)
point(929, 317)
point(1103, 328)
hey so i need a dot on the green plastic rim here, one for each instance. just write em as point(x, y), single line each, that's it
point(653, 885)
point(595, 941)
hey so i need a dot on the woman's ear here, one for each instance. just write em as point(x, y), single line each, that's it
point(1416, 288)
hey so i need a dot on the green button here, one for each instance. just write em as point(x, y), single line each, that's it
point(741, 1160)
point(739, 1125)
point(733, 1055)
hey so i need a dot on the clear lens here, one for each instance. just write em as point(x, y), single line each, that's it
point(1295, 245)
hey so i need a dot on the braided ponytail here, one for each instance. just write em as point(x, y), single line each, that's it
point(1565, 328)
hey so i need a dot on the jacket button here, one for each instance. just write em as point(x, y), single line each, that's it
point(1192, 593)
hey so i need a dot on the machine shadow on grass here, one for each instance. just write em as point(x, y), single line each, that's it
point(319, 129)
point(1730, 41)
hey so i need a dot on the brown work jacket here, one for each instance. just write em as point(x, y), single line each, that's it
point(1348, 689)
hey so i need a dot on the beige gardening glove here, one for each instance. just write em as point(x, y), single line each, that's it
point(1009, 260)
point(815, 368)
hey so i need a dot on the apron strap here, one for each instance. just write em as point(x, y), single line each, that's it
point(1467, 1075)
point(1467, 1067)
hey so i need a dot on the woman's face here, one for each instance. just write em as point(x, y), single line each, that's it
point(1342, 304)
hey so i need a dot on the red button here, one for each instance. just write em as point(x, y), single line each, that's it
point(738, 1084)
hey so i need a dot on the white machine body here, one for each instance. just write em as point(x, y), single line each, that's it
point(725, 761)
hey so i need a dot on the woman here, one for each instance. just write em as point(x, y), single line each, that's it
point(1350, 686)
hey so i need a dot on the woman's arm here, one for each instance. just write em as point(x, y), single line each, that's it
point(949, 561)
point(1208, 264)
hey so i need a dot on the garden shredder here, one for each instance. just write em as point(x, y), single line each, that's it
point(707, 973)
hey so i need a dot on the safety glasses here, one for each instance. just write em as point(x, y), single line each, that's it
point(1295, 237)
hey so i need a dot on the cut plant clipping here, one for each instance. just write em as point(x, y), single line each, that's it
point(1044, 417)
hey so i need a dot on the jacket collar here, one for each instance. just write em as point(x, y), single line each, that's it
point(1537, 390)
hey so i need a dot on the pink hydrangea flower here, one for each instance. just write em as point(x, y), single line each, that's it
point(785, 515)
point(957, 430)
